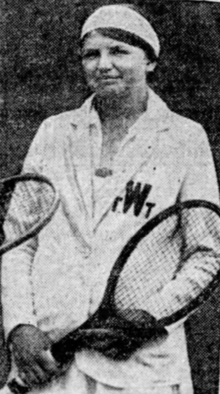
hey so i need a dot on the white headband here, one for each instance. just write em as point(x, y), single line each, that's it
point(124, 18)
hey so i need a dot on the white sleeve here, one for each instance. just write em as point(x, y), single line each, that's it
point(200, 180)
point(200, 183)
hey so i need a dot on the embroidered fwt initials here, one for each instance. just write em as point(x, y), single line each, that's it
point(136, 196)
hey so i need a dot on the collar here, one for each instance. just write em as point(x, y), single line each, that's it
point(156, 117)
point(156, 109)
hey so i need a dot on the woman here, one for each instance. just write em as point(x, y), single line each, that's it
point(122, 139)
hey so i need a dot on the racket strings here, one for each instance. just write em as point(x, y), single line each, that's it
point(25, 207)
point(5, 196)
point(158, 259)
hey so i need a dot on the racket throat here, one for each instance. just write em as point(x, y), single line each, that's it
point(100, 319)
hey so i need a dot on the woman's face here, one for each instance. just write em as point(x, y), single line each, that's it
point(114, 67)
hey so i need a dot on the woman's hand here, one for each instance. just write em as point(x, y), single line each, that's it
point(116, 345)
point(123, 336)
point(31, 352)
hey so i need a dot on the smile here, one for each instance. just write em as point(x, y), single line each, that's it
point(108, 80)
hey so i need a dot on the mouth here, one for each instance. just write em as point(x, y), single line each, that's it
point(107, 78)
point(108, 81)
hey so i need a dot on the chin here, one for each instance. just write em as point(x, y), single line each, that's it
point(109, 92)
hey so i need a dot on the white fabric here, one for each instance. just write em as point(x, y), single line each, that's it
point(75, 382)
point(56, 280)
point(120, 17)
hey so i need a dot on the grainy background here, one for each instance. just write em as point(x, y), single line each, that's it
point(40, 75)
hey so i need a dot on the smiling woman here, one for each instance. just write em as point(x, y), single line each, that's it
point(118, 160)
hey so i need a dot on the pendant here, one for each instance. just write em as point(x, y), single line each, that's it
point(103, 172)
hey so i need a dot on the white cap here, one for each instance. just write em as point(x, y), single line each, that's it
point(122, 17)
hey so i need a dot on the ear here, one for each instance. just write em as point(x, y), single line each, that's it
point(150, 66)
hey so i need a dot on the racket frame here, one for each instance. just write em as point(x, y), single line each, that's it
point(108, 298)
point(39, 226)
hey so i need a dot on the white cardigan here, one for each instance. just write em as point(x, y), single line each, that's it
point(57, 279)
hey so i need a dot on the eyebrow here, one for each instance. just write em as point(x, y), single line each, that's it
point(113, 45)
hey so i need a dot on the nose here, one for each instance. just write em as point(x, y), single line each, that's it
point(105, 62)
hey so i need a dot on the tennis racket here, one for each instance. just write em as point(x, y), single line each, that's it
point(27, 203)
point(152, 274)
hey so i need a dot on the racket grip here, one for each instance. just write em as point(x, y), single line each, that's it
point(16, 386)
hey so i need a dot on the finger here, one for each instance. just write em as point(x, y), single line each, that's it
point(118, 354)
point(41, 376)
point(114, 353)
point(108, 344)
point(48, 364)
point(20, 379)
point(28, 377)
point(17, 386)
point(33, 374)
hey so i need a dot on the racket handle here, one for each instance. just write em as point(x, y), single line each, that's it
point(16, 386)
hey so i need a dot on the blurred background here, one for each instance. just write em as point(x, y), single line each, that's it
point(41, 75)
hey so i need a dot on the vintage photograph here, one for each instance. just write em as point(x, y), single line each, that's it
point(109, 197)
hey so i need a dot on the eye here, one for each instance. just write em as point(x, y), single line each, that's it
point(118, 51)
point(90, 54)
